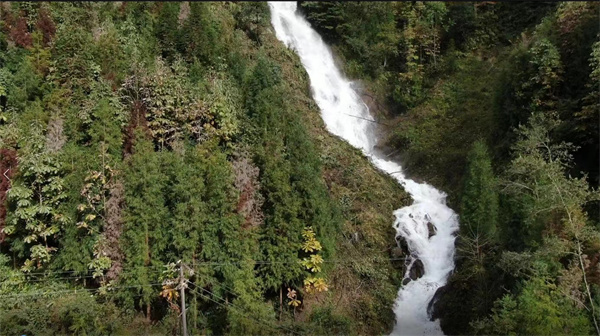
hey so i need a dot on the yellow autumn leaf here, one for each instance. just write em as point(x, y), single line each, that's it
point(294, 302)
point(320, 285)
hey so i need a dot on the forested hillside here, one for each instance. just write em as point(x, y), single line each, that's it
point(140, 138)
point(148, 144)
point(498, 104)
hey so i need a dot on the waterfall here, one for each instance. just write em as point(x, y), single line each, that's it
point(347, 116)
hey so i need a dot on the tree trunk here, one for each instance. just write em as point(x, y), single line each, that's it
point(579, 255)
point(280, 302)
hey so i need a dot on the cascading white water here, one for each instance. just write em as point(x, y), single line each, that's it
point(346, 115)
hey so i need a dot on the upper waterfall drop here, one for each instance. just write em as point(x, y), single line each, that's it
point(346, 115)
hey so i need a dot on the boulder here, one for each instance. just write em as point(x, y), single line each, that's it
point(402, 244)
point(433, 306)
point(416, 270)
point(432, 229)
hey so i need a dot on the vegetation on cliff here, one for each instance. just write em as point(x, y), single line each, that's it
point(497, 104)
point(137, 135)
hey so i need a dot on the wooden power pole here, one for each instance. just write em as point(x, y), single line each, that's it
point(182, 291)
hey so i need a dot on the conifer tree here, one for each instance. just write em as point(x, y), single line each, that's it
point(145, 233)
point(479, 206)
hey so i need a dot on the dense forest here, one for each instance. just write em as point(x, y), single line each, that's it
point(137, 139)
point(498, 104)
point(146, 145)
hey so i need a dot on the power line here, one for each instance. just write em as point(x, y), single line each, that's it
point(220, 304)
point(68, 272)
point(75, 277)
point(221, 286)
point(211, 263)
point(367, 119)
point(74, 290)
point(53, 278)
point(224, 287)
point(132, 270)
point(227, 304)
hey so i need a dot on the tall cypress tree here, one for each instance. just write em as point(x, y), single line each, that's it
point(479, 206)
point(145, 235)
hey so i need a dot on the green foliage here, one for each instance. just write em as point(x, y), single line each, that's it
point(252, 18)
point(479, 207)
point(432, 135)
point(68, 314)
point(34, 199)
point(177, 109)
point(167, 29)
point(109, 51)
point(547, 69)
point(529, 83)
point(73, 60)
point(539, 309)
point(124, 120)
point(535, 177)
point(202, 33)
point(25, 85)
point(546, 202)
point(324, 16)
point(393, 43)
point(49, 307)
point(145, 237)
point(294, 193)
point(129, 121)
point(327, 322)
point(456, 73)
point(368, 33)
point(105, 127)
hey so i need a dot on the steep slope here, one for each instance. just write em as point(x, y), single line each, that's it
point(346, 115)
point(135, 135)
point(496, 103)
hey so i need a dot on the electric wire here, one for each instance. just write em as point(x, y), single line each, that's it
point(227, 304)
point(74, 290)
point(211, 263)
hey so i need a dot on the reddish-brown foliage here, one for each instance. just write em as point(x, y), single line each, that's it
point(593, 270)
point(137, 120)
point(8, 165)
point(123, 8)
point(113, 229)
point(46, 26)
point(112, 78)
point(250, 201)
point(19, 33)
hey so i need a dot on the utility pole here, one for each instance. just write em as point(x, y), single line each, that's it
point(182, 291)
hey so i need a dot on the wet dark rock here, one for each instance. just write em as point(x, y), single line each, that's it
point(433, 306)
point(416, 270)
point(405, 281)
point(402, 244)
point(432, 229)
point(449, 301)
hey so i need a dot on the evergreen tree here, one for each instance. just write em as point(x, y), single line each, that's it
point(479, 204)
point(540, 309)
point(145, 233)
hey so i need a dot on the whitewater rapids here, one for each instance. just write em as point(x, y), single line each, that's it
point(347, 116)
